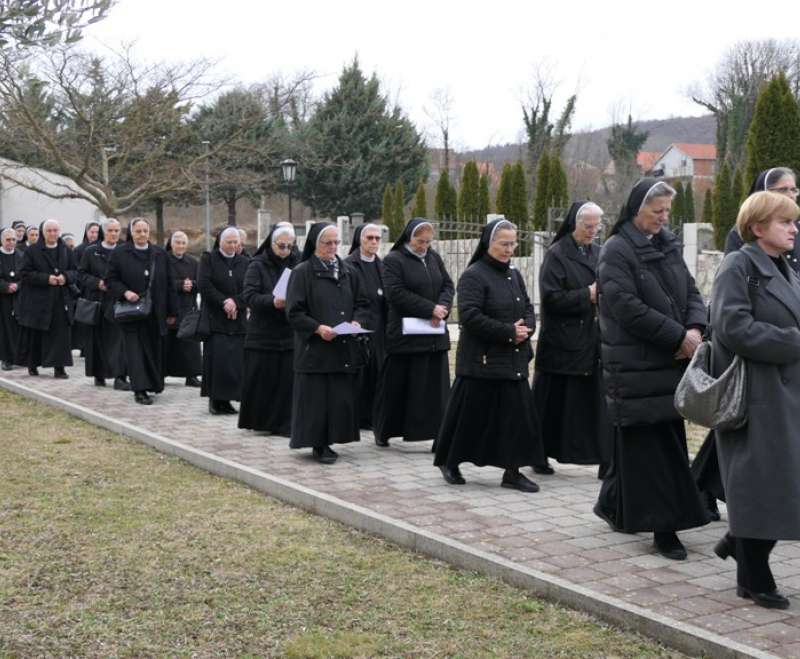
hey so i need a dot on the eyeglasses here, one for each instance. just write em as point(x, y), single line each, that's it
point(330, 243)
point(507, 245)
point(372, 238)
point(786, 190)
point(284, 246)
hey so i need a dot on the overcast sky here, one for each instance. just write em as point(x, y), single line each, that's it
point(614, 54)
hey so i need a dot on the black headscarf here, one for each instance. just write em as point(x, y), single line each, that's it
point(219, 236)
point(17, 223)
point(311, 239)
point(129, 230)
point(570, 221)
point(634, 202)
point(405, 237)
point(486, 238)
point(768, 177)
point(356, 244)
point(86, 228)
point(266, 252)
point(41, 240)
point(168, 244)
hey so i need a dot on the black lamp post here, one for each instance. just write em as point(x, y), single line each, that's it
point(289, 169)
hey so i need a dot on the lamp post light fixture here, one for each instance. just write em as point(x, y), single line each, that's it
point(289, 170)
point(208, 199)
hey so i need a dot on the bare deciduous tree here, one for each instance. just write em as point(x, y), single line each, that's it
point(440, 111)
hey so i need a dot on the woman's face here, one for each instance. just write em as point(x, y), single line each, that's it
point(33, 235)
point(111, 233)
point(91, 233)
point(776, 236)
point(229, 243)
point(421, 239)
point(9, 241)
point(786, 185)
point(370, 241)
point(179, 244)
point(141, 233)
point(282, 245)
point(653, 216)
point(20, 233)
point(51, 231)
point(327, 244)
point(503, 246)
point(587, 228)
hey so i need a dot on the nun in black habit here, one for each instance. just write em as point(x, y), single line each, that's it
point(183, 358)
point(365, 261)
point(490, 419)
point(80, 333)
point(137, 268)
point(20, 234)
point(221, 282)
point(47, 303)
point(104, 349)
point(651, 319)
point(568, 381)
point(415, 379)
point(268, 347)
point(10, 277)
point(323, 292)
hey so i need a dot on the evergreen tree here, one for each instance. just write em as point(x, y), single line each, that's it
point(559, 188)
point(400, 206)
point(708, 208)
point(443, 205)
point(542, 200)
point(738, 189)
point(484, 207)
point(678, 211)
point(725, 206)
point(469, 198)
point(518, 212)
point(503, 200)
point(688, 204)
point(773, 138)
point(420, 202)
point(452, 202)
point(388, 210)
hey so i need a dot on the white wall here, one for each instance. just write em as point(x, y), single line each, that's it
point(673, 163)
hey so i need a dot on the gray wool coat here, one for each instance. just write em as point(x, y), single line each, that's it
point(755, 313)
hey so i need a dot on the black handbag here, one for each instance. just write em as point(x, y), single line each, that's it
point(87, 312)
point(131, 312)
point(191, 327)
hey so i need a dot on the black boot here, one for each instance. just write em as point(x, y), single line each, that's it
point(669, 546)
point(544, 469)
point(452, 475)
point(59, 373)
point(142, 398)
point(324, 455)
point(99, 382)
point(725, 547)
point(192, 382)
point(711, 506)
point(121, 384)
point(512, 478)
point(33, 371)
point(8, 366)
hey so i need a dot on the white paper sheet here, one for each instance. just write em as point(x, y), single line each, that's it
point(348, 328)
point(283, 283)
point(422, 326)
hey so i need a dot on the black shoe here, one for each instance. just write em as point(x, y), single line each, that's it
point(8, 366)
point(324, 455)
point(669, 546)
point(518, 482)
point(225, 407)
point(121, 384)
point(773, 600)
point(452, 475)
point(142, 398)
point(725, 547)
point(33, 371)
point(544, 469)
point(382, 442)
point(60, 374)
point(213, 409)
point(711, 506)
point(193, 382)
point(597, 510)
point(99, 382)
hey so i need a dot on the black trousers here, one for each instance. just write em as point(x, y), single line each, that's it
point(752, 564)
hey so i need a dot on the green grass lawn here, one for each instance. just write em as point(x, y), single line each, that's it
point(108, 548)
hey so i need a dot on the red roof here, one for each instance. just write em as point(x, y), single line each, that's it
point(646, 159)
point(698, 151)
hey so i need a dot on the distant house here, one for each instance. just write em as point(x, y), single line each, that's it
point(644, 159)
point(695, 162)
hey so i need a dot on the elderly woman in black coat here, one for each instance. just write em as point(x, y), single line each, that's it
point(755, 314)
point(415, 379)
point(10, 276)
point(104, 349)
point(183, 358)
point(490, 419)
point(268, 346)
point(651, 319)
point(365, 261)
point(138, 268)
point(324, 292)
point(568, 385)
point(221, 282)
point(47, 303)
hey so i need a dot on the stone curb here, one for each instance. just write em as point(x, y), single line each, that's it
point(686, 638)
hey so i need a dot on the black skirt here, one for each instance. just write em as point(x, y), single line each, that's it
point(368, 378)
point(223, 355)
point(267, 391)
point(574, 423)
point(705, 468)
point(412, 395)
point(9, 330)
point(50, 347)
point(323, 410)
point(104, 350)
point(649, 486)
point(489, 423)
point(144, 355)
point(182, 358)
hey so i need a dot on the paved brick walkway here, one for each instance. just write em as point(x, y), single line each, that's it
point(553, 531)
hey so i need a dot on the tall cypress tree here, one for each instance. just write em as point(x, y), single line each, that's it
point(400, 205)
point(503, 201)
point(542, 200)
point(559, 188)
point(688, 204)
point(483, 198)
point(678, 211)
point(420, 202)
point(708, 208)
point(469, 198)
point(388, 210)
point(519, 197)
point(725, 206)
point(738, 189)
point(442, 203)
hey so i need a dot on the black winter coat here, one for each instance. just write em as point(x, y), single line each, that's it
point(218, 279)
point(11, 273)
point(491, 299)
point(413, 289)
point(126, 272)
point(734, 242)
point(647, 301)
point(184, 268)
point(569, 338)
point(91, 270)
point(268, 327)
point(377, 299)
point(38, 299)
point(316, 298)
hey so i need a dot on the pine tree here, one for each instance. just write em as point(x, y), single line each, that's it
point(388, 210)
point(469, 198)
point(725, 206)
point(688, 204)
point(559, 188)
point(442, 202)
point(773, 138)
point(542, 200)
point(420, 202)
point(678, 211)
point(708, 208)
point(484, 207)
point(518, 212)
point(503, 200)
point(400, 205)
